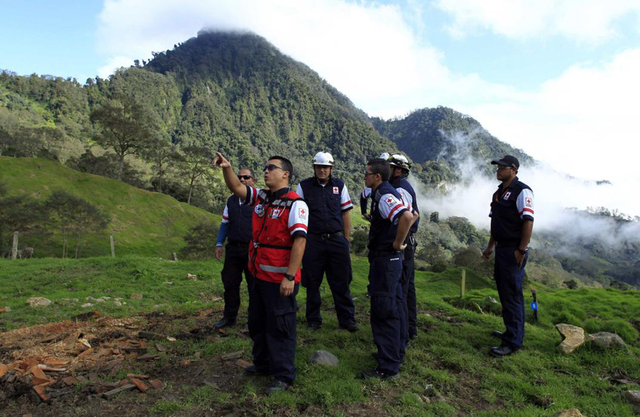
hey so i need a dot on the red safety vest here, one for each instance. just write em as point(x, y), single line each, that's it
point(270, 248)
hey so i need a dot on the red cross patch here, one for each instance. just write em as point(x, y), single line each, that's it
point(302, 213)
point(528, 201)
point(336, 190)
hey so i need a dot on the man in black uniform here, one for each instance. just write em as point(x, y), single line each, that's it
point(236, 224)
point(327, 243)
point(400, 167)
point(511, 227)
point(391, 220)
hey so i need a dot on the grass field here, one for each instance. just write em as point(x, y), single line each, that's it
point(447, 370)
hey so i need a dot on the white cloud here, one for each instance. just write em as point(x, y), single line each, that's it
point(584, 122)
point(113, 64)
point(588, 21)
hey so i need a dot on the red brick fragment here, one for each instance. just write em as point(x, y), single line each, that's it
point(141, 385)
point(156, 383)
point(41, 391)
point(70, 380)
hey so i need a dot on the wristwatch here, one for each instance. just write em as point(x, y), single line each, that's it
point(522, 251)
point(289, 277)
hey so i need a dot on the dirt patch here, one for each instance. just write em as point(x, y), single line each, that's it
point(84, 368)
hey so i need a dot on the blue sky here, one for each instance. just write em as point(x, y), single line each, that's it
point(557, 78)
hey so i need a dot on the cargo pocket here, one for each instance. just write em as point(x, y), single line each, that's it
point(284, 315)
point(383, 306)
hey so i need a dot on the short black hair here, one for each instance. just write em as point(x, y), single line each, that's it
point(380, 166)
point(286, 164)
point(253, 174)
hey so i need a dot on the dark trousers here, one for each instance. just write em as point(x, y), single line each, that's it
point(409, 291)
point(387, 312)
point(272, 327)
point(509, 277)
point(236, 260)
point(330, 256)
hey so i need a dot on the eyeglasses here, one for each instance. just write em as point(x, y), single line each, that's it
point(271, 167)
point(366, 174)
point(245, 177)
point(501, 167)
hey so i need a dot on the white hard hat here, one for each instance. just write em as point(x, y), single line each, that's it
point(323, 159)
point(400, 161)
point(385, 156)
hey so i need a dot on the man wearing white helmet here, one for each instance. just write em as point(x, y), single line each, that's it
point(400, 167)
point(328, 243)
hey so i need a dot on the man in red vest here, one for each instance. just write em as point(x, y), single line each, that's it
point(279, 233)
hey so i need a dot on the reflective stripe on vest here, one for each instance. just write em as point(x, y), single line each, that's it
point(269, 268)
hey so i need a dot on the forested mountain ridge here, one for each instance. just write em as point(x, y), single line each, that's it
point(441, 138)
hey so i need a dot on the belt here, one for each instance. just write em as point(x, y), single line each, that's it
point(327, 236)
point(380, 253)
point(238, 244)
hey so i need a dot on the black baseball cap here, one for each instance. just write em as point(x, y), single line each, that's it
point(508, 161)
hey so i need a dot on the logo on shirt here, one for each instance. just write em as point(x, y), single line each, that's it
point(259, 210)
point(276, 212)
point(528, 201)
point(302, 213)
point(336, 190)
point(507, 195)
point(390, 202)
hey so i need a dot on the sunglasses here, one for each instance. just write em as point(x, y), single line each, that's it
point(245, 177)
point(501, 167)
point(271, 167)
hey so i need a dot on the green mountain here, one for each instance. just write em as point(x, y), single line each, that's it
point(438, 139)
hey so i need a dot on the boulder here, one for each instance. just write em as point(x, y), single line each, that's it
point(571, 412)
point(322, 357)
point(606, 340)
point(573, 337)
point(38, 302)
point(634, 398)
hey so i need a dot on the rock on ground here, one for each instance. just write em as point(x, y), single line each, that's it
point(606, 340)
point(573, 337)
point(634, 398)
point(322, 357)
point(38, 302)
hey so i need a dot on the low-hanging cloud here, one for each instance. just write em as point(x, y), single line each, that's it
point(560, 199)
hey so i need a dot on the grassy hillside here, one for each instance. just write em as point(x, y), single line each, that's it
point(447, 371)
point(142, 222)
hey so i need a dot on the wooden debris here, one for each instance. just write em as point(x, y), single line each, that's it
point(242, 363)
point(3, 370)
point(110, 394)
point(148, 357)
point(41, 391)
point(156, 384)
point(232, 356)
point(161, 348)
point(138, 376)
point(70, 380)
point(141, 385)
point(51, 369)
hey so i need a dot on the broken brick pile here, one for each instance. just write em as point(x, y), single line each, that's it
point(51, 360)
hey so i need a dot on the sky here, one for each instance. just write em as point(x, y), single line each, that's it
point(558, 79)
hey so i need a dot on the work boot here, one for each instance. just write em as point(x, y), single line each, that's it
point(224, 322)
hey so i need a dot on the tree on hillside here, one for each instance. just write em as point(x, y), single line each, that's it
point(18, 214)
point(162, 156)
point(195, 165)
point(127, 126)
point(74, 218)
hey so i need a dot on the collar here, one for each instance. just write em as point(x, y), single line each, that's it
point(512, 185)
point(277, 194)
point(317, 182)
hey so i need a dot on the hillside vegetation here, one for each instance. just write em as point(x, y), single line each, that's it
point(142, 222)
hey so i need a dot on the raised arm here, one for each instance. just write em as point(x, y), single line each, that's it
point(230, 177)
